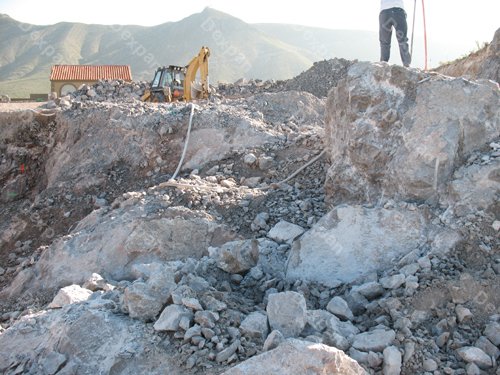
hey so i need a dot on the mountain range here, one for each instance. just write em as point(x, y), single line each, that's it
point(238, 49)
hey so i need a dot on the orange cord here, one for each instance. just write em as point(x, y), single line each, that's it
point(425, 35)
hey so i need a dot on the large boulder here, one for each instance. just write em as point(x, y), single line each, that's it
point(299, 357)
point(79, 339)
point(353, 241)
point(113, 243)
point(474, 187)
point(400, 133)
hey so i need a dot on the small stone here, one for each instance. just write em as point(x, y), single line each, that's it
point(206, 319)
point(273, 340)
point(338, 306)
point(207, 333)
point(472, 369)
point(370, 290)
point(336, 340)
point(410, 269)
point(228, 352)
point(250, 159)
point(287, 313)
point(376, 340)
point(475, 355)
point(68, 295)
point(424, 262)
point(192, 332)
point(96, 282)
point(463, 314)
point(265, 163)
point(170, 318)
point(442, 339)
point(392, 361)
point(374, 359)
point(192, 303)
point(392, 282)
point(430, 365)
point(285, 232)
point(492, 332)
point(255, 325)
point(236, 278)
point(409, 351)
point(212, 303)
point(496, 225)
point(236, 256)
point(486, 346)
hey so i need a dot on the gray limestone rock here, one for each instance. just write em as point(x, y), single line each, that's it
point(299, 357)
point(391, 135)
point(285, 232)
point(236, 256)
point(471, 354)
point(492, 332)
point(287, 313)
point(353, 241)
point(339, 307)
point(273, 340)
point(255, 325)
point(376, 340)
point(392, 361)
point(70, 294)
point(170, 318)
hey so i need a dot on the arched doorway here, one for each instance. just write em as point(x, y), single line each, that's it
point(67, 88)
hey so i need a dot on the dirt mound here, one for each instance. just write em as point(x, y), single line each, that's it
point(321, 77)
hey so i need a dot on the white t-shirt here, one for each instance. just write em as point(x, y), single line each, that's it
point(388, 4)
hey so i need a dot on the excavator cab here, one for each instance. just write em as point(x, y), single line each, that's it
point(174, 83)
point(167, 84)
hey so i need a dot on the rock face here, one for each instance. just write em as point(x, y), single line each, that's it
point(112, 247)
point(78, 340)
point(350, 242)
point(299, 357)
point(397, 133)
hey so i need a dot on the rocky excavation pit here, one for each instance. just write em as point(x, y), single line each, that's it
point(380, 256)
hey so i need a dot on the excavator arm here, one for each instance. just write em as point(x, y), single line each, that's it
point(175, 83)
point(199, 62)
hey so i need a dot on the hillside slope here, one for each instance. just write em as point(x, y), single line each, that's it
point(238, 49)
point(484, 63)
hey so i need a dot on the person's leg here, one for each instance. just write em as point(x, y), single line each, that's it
point(385, 33)
point(401, 33)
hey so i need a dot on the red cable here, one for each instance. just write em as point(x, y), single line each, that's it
point(425, 35)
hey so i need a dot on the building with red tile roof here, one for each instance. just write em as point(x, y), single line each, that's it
point(67, 78)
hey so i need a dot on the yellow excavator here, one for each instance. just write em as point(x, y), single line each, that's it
point(178, 83)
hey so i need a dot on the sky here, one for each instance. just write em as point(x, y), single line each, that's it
point(457, 21)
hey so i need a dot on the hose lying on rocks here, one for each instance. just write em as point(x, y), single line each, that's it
point(171, 182)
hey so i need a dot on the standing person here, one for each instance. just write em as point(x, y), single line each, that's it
point(392, 14)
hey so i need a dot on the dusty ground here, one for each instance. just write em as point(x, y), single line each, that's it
point(20, 106)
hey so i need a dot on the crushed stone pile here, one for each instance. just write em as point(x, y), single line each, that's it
point(321, 77)
point(381, 255)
